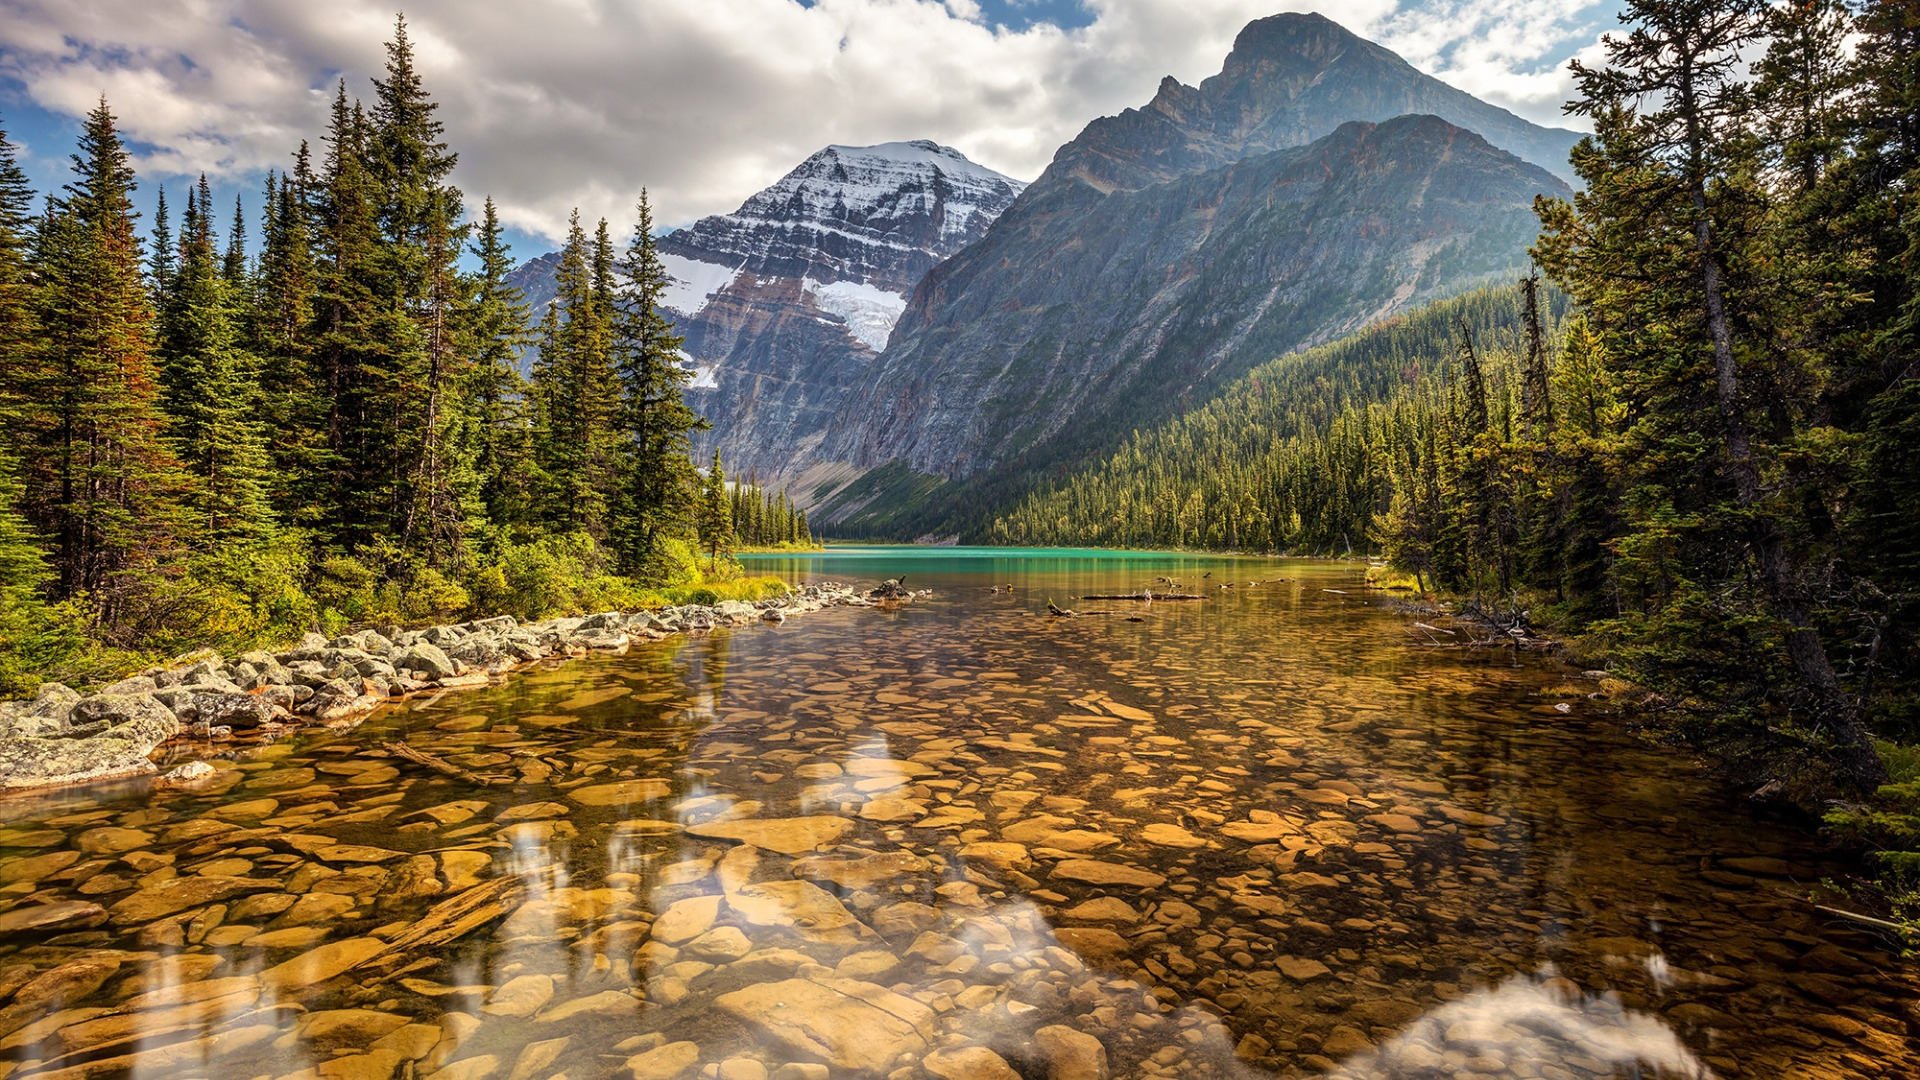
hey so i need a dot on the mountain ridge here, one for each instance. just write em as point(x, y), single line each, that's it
point(1288, 249)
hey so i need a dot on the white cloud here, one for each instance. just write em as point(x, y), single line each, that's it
point(582, 102)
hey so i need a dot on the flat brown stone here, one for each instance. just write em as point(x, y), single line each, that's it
point(787, 836)
point(1094, 872)
point(623, 793)
point(170, 897)
point(46, 918)
point(846, 1024)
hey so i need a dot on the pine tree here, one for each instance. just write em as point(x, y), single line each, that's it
point(354, 373)
point(1657, 250)
point(233, 264)
point(293, 408)
point(715, 524)
point(657, 476)
point(99, 482)
point(499, 432)
point(577, 396)
point(163, 252)
point(18, 331)
point(420, 217)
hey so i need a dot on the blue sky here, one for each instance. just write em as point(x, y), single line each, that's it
point(701, 101)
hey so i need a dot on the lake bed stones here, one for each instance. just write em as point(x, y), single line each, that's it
point(1071, 1054)
point(845, 1023)
point(785, 836)
point(1095, 872)
point(179, 894)
point(968, 1063)
point(669, 1062)
point(51, 918)
point(623, 793)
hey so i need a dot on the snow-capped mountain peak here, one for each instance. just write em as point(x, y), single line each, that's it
point(857, 212)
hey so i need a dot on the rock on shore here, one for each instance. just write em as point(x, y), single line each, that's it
point(63, 737)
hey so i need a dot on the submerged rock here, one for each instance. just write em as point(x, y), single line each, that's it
point(787, 836)
point(847, 1024)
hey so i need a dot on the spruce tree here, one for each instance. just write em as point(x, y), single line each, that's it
point(233, 264)
point(162, 253)
point(348, 339)
point(18, 331)
point(293, 402)
point(420, 219)
point(715, 529)
point(498, 432)
point(657, 479)
point(1657, 250)
point(99, 482)
point(577, 396)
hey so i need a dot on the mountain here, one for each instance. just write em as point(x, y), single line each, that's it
point(1089, 315)
point(536, 282)
point(1317, 184)
point(1290, 79)
point(785, 302)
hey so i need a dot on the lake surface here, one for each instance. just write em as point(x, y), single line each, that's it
point(1263, 834)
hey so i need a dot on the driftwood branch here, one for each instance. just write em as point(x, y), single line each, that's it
point(445, 768)
point(1142, 596)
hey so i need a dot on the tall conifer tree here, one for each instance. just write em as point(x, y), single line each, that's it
point(99, 481)
point(658, 478)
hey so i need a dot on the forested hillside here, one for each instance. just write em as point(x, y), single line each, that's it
point(1704, 474)
point(1292, 457)
point(207, 443)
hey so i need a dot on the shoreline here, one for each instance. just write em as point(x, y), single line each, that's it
point(62, 739)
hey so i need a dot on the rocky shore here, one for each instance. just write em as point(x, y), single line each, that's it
point(63, 737)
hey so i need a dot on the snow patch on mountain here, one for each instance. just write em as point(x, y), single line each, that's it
point(861, 207)
point(694, 282)
point(868, 311)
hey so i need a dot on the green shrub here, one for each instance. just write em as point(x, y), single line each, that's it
point(1889, 829)
point(40, 641)
point(429, 596)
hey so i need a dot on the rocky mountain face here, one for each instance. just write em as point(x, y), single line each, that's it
point(1316, 184)
point(1290, 79)
point(1089, 314)
point(786, 302)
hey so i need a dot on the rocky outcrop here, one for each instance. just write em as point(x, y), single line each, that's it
point(63, 737)
point(786, 302)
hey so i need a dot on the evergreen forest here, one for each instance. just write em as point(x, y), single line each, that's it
point(223, 433)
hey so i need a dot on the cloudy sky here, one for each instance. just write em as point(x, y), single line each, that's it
point(566, 103)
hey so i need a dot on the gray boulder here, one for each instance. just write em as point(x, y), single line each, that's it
point(426, 658)
point(139, 684)
point(137, 718)
point(41, 762)
point(237, 711)
point(735, 612)
point(44, 716)
point(287, 697)
point(602, 640)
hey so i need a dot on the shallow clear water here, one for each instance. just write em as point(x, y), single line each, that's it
point(1262, 834)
